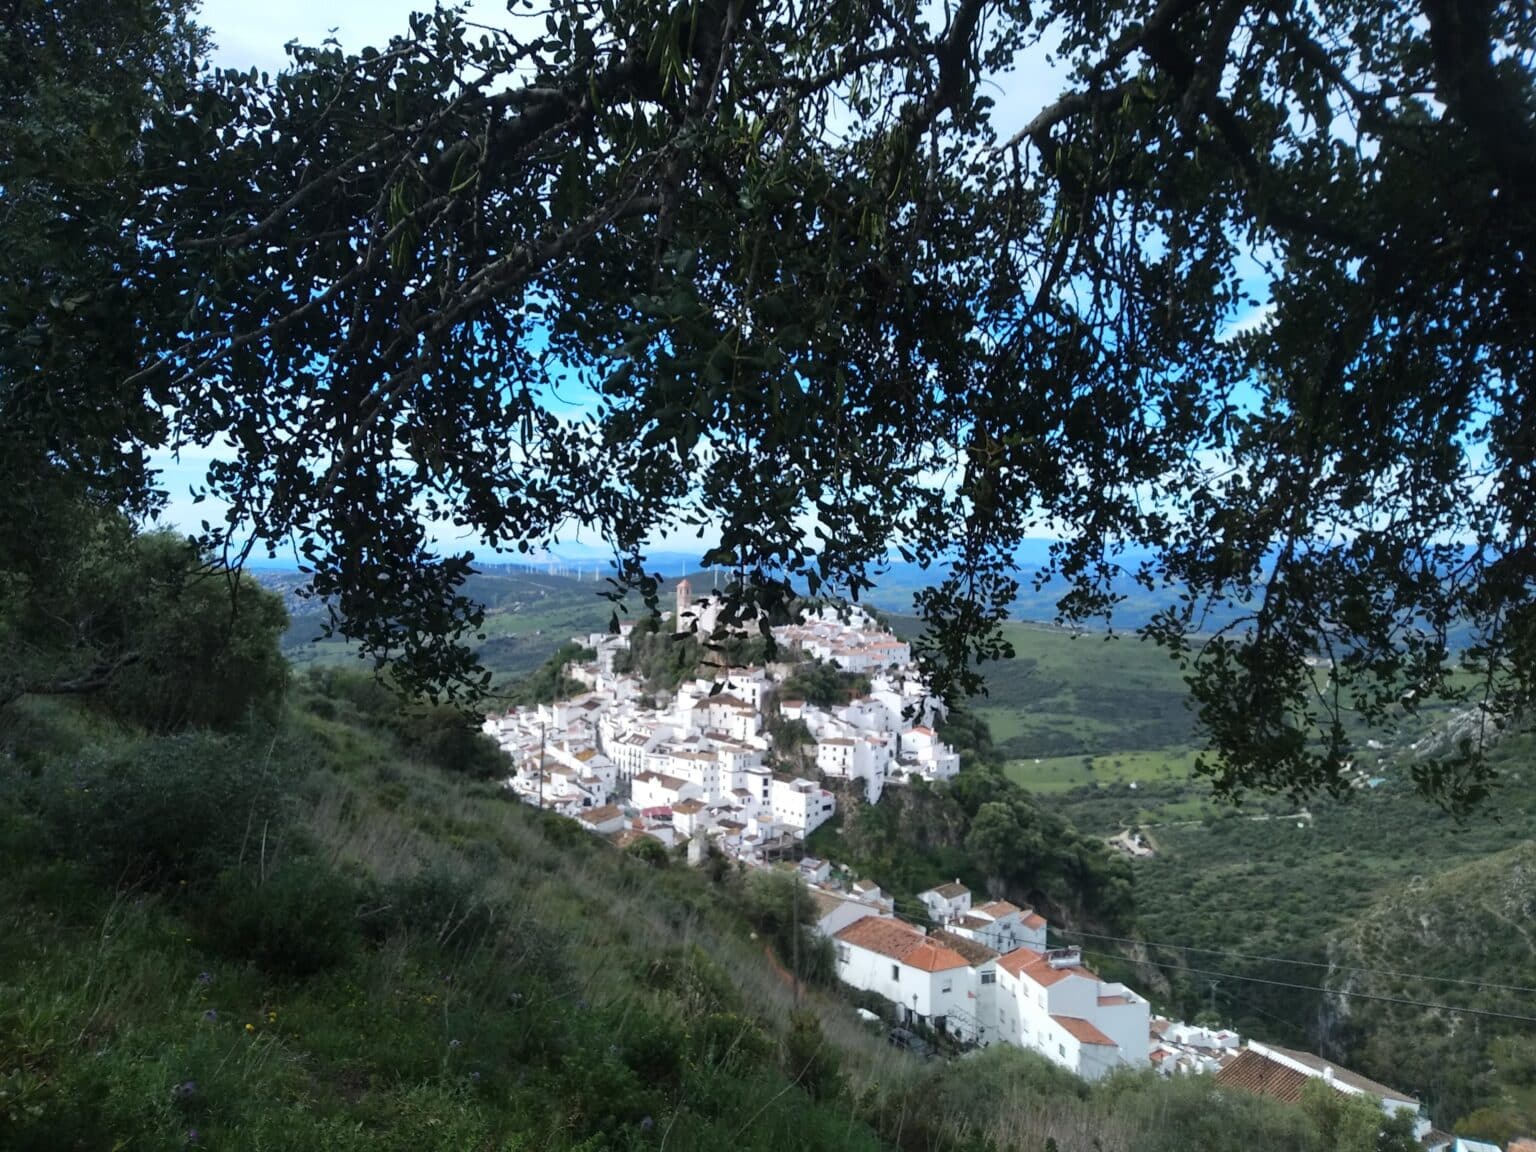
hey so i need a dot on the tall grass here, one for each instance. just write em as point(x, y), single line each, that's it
point(402, 958)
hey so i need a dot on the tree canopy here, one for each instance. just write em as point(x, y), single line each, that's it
point(793, 273)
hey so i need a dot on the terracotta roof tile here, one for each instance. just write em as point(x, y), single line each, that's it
point(1084, 1030)
point(880, 934)
point(1255, 1073)
point(972, 952)
point(1028, 962)
point(1343, 1075)
point(599, 815)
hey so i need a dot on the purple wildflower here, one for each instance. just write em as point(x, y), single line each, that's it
point(646, 1124)
point(192, 1136)
point(211, 1015)
point(453, 1044)
point(185, 1090)
point(205, 978)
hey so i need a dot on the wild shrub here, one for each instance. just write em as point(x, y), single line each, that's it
point(440, 904)
point(649, 851)
point(296, 921)
point(809, 1060)
point(731, 1041)
point(174, 808)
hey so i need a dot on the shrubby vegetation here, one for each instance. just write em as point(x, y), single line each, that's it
point(987, 831)
point(549, 681)
point(439, 734)
point(823, 683)
point(141, 624)
point(324, 932)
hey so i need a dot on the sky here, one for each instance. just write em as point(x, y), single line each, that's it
point(247, 34)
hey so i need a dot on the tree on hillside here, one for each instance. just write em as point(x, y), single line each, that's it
point(78, 81)
point(142, 626)
point(777, 268)
point(1350, 1123)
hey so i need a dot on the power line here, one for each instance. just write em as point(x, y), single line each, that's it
point(922, 916)
point(1354, 995)
point(1307, 963)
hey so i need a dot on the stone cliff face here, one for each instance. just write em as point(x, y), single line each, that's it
point(1449, 958)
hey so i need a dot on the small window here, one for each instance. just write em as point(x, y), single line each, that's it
point(949, 985)
point(842, 953)
point(989, 977)
point(1062, 1049)
point(896, 972)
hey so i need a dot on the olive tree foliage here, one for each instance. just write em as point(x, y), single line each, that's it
point(771, 268)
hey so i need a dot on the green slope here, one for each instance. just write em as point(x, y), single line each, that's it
point(1463, 939)
point(308, 939)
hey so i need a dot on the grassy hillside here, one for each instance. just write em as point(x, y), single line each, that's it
point(308, 939)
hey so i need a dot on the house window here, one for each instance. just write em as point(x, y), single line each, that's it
point(1062, 1049)
point(842, 953)
point(896, 972)
point(949, 985)
point(989, 977)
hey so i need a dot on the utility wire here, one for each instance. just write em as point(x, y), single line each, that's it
point(924, 917)
point(1354, 995)
point(1306, 963)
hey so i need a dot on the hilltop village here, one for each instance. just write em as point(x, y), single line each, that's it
point(733, 763)
point(728, 760)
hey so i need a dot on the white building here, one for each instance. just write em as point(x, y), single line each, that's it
point(656, 790)
point(1271, 1070)
point(947, 902)
point(929, 980)
point(1001, 926)
point(835, 910)
point(1051, 1003)
point(922, 753)
point(1178, 1048)
point(800, 805)
point(602, 821)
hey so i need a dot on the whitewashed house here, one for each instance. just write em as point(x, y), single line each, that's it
point(1271, 1070)
point(928, 980)
point(835, 911)
point(800, 805)
point(656, 790)
point(947, 902)
point(1001, 926)
point(1051, 1003)
point(690, 817)
point(602, 821)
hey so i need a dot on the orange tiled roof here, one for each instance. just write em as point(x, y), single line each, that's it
point(973, 952)
point(900, 942)
point(1084, 1030)
point(1028, 962)
point(1344, 1075)
point(1255, 1073)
